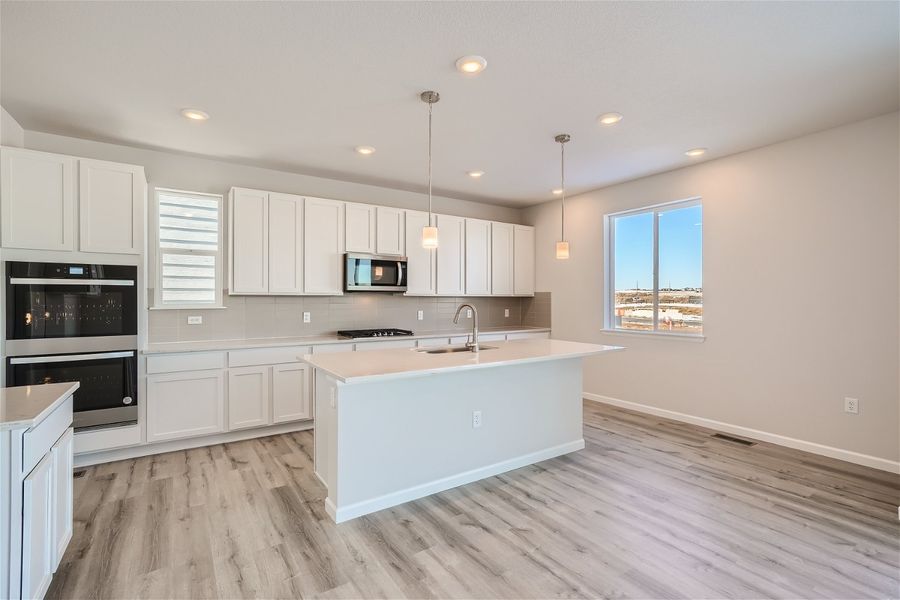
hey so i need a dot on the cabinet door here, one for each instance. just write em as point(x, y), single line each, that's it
point(37, 530)
point(451, 255)
point(389, 235)
point(478, 257)
point(420, 274)
point(37, 195)
point(186, 404)
point(290, 393)
point(61, 454)
point(110, 207)
point(360, 228)
point(285, 244)
point(248, 241)
point(502, 249)
point(248, 397)
point(523, 260)
point(323, 247)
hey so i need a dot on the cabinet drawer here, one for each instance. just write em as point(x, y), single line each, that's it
point(326, 348)
point(539, 335)
point(388, 345)
point(194, 361)
point(267, 356)
point(37, 442)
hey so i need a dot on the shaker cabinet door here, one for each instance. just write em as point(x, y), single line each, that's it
point(110, 207)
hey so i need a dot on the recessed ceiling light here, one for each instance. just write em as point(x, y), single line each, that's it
point(696, 152)
point(365, 150)
point(610, 118)
point(474, 174)
point(471, 64)
point(194, 114)
point(557, 192)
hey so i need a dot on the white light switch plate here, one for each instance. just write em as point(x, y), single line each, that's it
point(506, 312)
point(307, 317)
point(420, 315)
point(468, 313)
point(195, 320)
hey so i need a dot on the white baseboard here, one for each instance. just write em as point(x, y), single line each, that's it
point(95, 458)
point(364, 507)
point(773, 438)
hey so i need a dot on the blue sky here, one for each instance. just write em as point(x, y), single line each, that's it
point(680, 249)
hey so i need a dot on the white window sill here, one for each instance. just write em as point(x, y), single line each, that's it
point(187, 307)
point(681, 337)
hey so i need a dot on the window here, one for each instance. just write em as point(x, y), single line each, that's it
point(655, 268)
point(188, 249)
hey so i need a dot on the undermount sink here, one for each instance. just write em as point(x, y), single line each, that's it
point(449, 349)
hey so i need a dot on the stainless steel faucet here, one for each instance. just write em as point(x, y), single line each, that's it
point(473, 345)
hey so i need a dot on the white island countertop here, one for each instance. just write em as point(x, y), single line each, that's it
point(359, 367)
point(25, 406)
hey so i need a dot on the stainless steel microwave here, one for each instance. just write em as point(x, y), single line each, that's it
point(374, 273)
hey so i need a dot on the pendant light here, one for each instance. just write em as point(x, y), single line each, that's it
point(429, 232)
point(562, 246)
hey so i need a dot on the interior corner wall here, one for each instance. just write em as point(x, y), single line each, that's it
point(801, 284)
point(11, 133)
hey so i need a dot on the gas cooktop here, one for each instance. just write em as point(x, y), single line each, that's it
point(370, 333)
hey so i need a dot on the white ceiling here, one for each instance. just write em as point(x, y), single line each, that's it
point(296, 86)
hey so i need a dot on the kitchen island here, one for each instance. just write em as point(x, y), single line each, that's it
point(395, 425)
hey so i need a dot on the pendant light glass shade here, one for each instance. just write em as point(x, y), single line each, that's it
point(429, 232)
point(429, 237)
point(562, 246)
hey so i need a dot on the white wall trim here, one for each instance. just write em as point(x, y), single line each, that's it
point(365, 507)
point(96, 458)
point(773, 438)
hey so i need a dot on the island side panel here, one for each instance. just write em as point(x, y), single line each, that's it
point(401, 439)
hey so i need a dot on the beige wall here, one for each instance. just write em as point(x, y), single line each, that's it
point(184, 172)
point(801, 282)
point(11, 133)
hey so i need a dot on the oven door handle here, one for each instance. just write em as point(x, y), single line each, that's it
point(50, 281)
point(30, 360)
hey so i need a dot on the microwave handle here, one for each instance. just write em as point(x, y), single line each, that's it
point(30, 360)
point(399, 272)
point(43, 281)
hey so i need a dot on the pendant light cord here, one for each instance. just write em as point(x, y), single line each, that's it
point(429, 163)
point(562, 181)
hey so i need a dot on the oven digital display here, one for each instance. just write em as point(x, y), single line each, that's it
point(76, 270)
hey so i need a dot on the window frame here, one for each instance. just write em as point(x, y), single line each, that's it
point(156, 252)
point(610, 267)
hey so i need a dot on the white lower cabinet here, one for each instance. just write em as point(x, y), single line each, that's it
point(248, 397)
point(37, 529)
point(185, 404)
point(62, 497)
point(290, 393)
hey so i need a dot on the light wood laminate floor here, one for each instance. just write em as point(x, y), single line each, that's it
point(649, 509)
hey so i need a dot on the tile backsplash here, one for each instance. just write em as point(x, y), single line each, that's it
point(282, 316)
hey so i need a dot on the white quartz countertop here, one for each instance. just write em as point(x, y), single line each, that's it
point(26, 406)
point(313, 340)
point(361, 367)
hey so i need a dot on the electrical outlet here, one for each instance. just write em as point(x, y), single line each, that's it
point(420, 314)
point(506, 313)
point(468, 313)
point(307, 317)
point(476, 419)
point(851, 405)
point(195, 320)
point(331, 399)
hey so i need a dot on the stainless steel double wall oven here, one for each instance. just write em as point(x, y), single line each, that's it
point(76, 322)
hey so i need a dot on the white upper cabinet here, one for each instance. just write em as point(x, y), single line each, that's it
point(360, 227)
point(450, 255)
point(248, 217)
point(37, 200)
point(523, 262)
point(323, 247)
point(285, 244)
point(478, 257)
point(502, 249)
point(111, 207)
point(389, 234)
point(420, 261)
